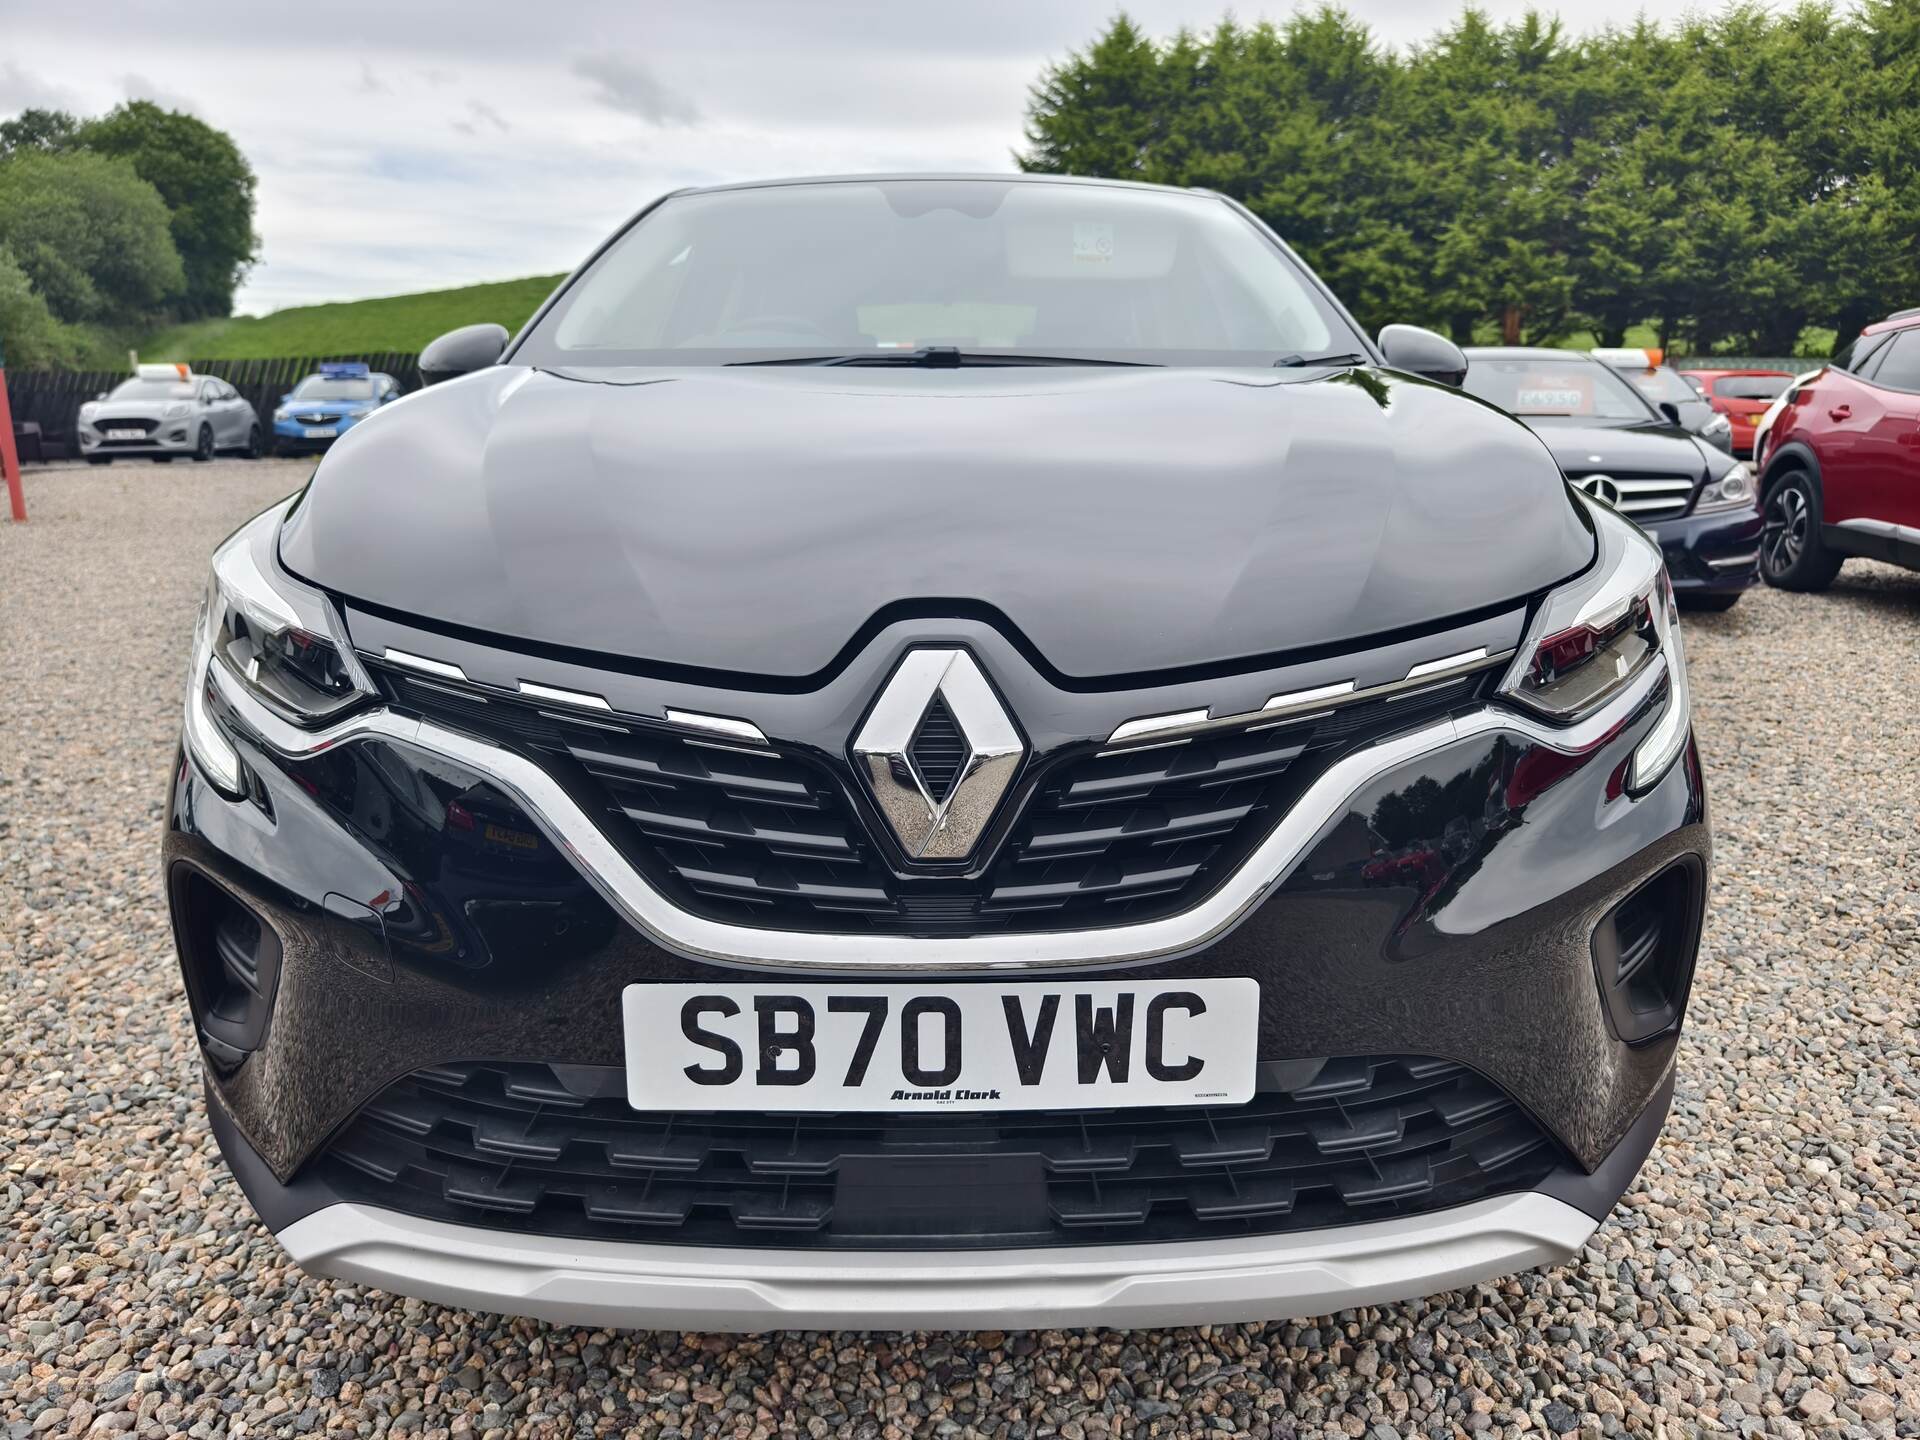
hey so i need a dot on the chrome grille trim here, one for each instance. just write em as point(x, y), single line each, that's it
point(601, 863)
point(1297, 704)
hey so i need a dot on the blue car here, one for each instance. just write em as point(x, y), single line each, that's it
point(327, 404)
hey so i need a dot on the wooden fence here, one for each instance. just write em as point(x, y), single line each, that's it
point(52, 399)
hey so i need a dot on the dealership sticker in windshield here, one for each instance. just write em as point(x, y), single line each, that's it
point(1093, 240)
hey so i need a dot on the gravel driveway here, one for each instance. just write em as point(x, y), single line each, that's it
point(1759, 1278)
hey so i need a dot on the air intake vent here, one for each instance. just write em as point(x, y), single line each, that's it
point(938, 750)
point(231, 963)
point(1643, 953)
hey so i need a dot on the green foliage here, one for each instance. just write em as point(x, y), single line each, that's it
point(1730, 181)
point(30, 338)
point(207, 185)
point(89, 233)
point(398, 322)
point(37, 130)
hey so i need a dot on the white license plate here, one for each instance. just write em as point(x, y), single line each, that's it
point(126, 434)
point(318, 432)
point(1033, 1045)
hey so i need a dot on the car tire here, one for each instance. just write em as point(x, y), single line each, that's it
point(1792, 554)
point(255, 446)
point(1708, 604)
point(203, 447)
point(99, 459)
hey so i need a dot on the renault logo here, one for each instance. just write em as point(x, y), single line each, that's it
point(939, 753)
point(1601, 487)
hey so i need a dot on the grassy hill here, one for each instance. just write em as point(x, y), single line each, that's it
point(396, 322)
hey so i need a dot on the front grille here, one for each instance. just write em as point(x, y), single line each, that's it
point(1642, 497)
point(316, 418)
point(145, 425)
point(535, 1149)
point(938, 750)
point(765, 837)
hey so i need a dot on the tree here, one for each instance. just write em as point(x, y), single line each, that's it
point(207, 185)
point(91, 235)
point(30, 338)
point(37, 130)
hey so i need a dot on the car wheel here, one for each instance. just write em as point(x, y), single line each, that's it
point(203, 447)
point(1708, 603)
point(1792, 555)
point(99, 459)
point(255, 449)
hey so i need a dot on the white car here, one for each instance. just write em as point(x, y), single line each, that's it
point(167, 410)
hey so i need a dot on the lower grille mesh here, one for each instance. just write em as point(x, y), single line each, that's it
point(510, 1146)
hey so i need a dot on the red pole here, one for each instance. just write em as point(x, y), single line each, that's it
point(9, 459)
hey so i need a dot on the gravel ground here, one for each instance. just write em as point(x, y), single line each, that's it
point(1759, 1278)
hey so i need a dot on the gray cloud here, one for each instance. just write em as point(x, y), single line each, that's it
point(371, 83)
point(624, 84)
point(22, 89)
point(138, 87)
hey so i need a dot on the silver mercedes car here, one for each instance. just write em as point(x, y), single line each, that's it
point(167, 410)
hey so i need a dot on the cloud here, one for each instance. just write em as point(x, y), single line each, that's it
point(21, 89)
point(371, 83)
point(628, 86)
point(139, 87)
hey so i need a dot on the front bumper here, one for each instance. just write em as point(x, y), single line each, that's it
point(1713, 554)
point(1441, 897)
point(640, 1286)
point(169, 437)
point(290, 437)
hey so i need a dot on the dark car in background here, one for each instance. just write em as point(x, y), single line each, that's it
point(1842, 461)
point(1696, 501)
point(328, 403)
point(1743, 396)
point(1669, 393)
point(932, 752)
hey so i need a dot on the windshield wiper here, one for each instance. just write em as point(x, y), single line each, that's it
point(1290, 362)
point(938, 357)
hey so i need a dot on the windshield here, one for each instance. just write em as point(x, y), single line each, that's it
point(322, 387)
point(1662, 384)
point(1550, 386)
point(875, 268)
point(153, 390)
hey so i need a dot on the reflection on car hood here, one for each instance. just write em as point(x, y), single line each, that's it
point(754, 521)
point(1587, 444)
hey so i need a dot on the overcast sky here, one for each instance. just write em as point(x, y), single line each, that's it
point(410, 145)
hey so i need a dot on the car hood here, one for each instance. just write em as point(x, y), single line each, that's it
point(131, 409)
point(1628, 448)
point(754, 521)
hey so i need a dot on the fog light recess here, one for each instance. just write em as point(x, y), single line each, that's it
point(1644, 949)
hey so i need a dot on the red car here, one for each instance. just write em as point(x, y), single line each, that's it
point(1842, 470)
point(1740, 395)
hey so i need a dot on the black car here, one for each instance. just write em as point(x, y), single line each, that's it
point(1694, 498)
point(937, 751)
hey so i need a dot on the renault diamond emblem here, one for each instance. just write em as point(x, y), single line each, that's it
point(1601, 487)
point(939, 753)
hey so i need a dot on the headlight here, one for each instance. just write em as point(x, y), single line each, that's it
point(280, 412)
point(178, 410)
point(1595, 635)
point(1732, 491)
point(282, 642)
point(1718, 425)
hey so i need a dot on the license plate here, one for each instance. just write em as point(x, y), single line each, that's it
point(318, 432)
point(1032, 1045)
point(126, 434)
point(517, 839)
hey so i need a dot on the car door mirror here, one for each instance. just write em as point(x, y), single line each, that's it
point(462, 351)
point(1422, 352)
point(1671, 411)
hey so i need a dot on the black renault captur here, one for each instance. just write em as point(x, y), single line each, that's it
point(935, 752)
